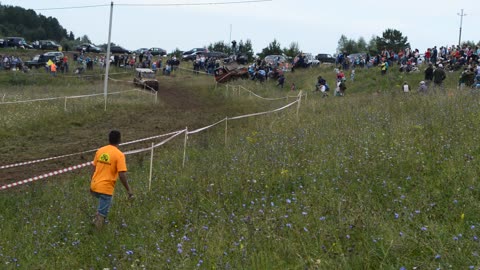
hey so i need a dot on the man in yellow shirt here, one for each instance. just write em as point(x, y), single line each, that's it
point(108, 165)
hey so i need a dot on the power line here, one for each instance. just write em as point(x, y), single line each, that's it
point(76, 7)
point(159, 5)
point(195, 4)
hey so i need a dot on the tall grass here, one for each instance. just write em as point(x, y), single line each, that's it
point(369, 181)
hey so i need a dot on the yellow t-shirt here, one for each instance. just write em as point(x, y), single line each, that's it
point(108, 162)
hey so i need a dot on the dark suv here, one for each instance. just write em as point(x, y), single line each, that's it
point(119, 49)
point(325, 58)
point(47, 45)
point(88, 48)
point(17, 42)
point(41, 60)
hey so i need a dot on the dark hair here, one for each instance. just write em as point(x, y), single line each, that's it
point(114, 137)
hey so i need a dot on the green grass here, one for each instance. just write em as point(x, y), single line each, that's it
point(374, 180)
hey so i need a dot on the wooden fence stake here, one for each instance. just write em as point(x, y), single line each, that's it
point(226, 129)
point(299, 102)
point(185, 147)
point(151, 169)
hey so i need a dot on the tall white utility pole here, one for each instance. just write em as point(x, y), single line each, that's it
point(230, 33)
point(107, 59)
point(461, 22)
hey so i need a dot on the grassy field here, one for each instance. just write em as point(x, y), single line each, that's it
point(374, 180)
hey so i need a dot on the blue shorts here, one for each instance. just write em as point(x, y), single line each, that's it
point(104, 203)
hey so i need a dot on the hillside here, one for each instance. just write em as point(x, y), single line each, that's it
point(378, 179)
point(17, 21)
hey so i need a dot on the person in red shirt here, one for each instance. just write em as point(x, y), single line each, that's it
point(108, 165)
point(428, 55)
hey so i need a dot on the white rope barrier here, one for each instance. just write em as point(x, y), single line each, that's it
point(66, 97)
point(204, 128)
point(262, 113)
point(174, 135)
point(195, 71)
point(153, 91)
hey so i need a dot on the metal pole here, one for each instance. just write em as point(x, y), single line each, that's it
point(107, 59)
point(230, 34)
point(461, 23)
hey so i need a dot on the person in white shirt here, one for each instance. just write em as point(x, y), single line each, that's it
point(406, 87)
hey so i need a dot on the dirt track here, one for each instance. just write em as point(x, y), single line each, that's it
point(178, 105)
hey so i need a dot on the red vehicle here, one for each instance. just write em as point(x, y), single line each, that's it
point(230, 72)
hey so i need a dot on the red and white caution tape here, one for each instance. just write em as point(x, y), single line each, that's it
point(83, 152)
point(154, 146)
point(79, 166)
point(43, 176)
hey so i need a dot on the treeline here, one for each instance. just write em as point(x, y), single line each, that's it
point(246, 48)
point(26, 23)
point(390, 39)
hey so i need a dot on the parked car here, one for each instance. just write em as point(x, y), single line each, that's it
point(194, 50)
point(47, 45)
point(325, 58)
point(119, 49)
point(192, 54)
point(88, 48)
point(18, 42)
point(352, 57)
point(158, 51)
point(219, 55)
point(57, 54)
point(311, 60)
point(141, 50)
point(305, 60)
point(41, 60)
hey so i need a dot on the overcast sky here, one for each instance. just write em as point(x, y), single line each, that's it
point(316, 25)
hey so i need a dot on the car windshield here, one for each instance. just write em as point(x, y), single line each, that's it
point(149, 75)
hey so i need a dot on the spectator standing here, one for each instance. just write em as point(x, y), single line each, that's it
point(53, 69)
point(281, 80)
point(406, 87)
point(438, 77)
point(429, 74)
point(384, 67)
point(434, 55)
point(108, 165)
